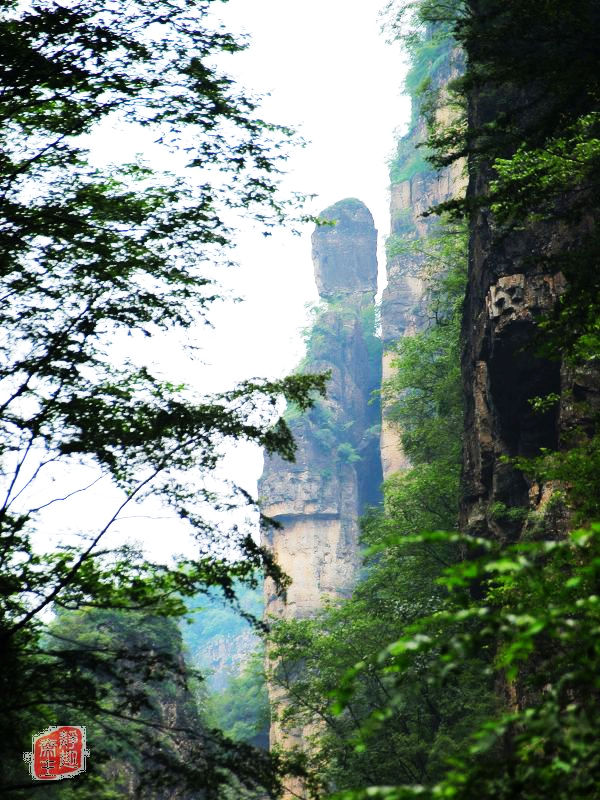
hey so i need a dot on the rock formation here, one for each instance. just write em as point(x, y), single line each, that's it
point(501, 374)
point(343, 451)
point(515, 279)
point(415, 188)
point(318, 499)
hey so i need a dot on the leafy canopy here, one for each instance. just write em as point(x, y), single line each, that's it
point(92, 258)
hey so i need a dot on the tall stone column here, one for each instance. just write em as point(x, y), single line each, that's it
point(319, 499)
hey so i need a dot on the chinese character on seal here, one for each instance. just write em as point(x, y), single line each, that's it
point(58, 752)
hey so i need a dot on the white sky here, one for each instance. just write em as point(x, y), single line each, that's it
point(332, 76)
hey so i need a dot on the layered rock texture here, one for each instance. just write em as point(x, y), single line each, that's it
point(319, 499)
point(415, 188)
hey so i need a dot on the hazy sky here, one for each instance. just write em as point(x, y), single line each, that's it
point(330, 74)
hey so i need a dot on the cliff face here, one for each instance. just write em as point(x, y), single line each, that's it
point(514, 280)
point(415, 188)
point(318, 499)
point(501, 373)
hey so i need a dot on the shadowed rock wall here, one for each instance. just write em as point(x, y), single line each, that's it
point(514, 280)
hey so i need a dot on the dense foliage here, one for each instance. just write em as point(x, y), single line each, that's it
point(92, 260)
point(395, 727)
point(490, 689)
point(528, 610)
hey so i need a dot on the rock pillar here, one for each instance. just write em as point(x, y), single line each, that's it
point(319, 499)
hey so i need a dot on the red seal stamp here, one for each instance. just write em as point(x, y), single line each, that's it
point(58, 752)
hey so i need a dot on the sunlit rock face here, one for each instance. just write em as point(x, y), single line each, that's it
point(319, 498)
point(345, 254)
